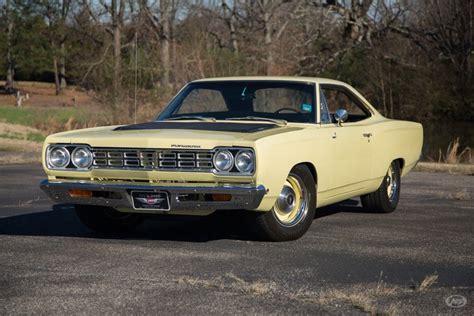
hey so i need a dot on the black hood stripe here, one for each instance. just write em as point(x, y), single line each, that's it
point(202, 126)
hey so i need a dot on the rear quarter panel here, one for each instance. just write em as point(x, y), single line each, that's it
point(393, 139)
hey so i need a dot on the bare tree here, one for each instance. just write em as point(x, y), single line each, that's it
point(65, 5)
point(116, 11)
point(444, 30)
point(161, 24)
point(10, 66)
point(230, 18)
point(107, 18)
point(56, 13)
point(268, 31)
point(445, 26)
point(165, 18)
point(340, 26)
point(274, 20)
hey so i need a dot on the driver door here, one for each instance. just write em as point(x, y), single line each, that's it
point(349, 143)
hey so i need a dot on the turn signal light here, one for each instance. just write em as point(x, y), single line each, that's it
point(221, 197)
point(80, 193)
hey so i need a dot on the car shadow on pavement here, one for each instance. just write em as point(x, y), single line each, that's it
point(347, 206)
point(63, 222)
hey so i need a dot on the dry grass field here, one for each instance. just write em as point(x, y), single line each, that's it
point(23, 129)
point(42, 94)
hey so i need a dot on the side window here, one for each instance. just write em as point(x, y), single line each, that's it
point(203, 100)
point(340, 99)
point(325, 117)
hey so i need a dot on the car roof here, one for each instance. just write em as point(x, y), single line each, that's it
point(275, 78)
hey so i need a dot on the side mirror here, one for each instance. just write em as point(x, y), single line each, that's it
point(341, 116)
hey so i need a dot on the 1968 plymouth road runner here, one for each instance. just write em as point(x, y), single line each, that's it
point(276, 148)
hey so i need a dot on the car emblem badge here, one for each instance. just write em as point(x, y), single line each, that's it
point(150, 200)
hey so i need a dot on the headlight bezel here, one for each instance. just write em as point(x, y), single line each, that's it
point(69, 148)
point(251, 157)
point(90, 155)
point(230, 161)
point(62, 148)
point(234, 170)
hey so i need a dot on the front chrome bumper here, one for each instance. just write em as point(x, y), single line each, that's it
point(118, 196)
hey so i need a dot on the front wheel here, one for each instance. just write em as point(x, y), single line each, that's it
point(106, 220)
point(294, 209)
point(385, 199)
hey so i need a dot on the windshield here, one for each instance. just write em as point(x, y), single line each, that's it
point(249, 100)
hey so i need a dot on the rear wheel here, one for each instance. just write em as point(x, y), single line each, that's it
point(294, 209)
point(107, 220)
point(385, 199)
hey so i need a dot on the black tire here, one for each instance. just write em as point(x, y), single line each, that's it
point(106, 220)
point(381, 201)
point(269, 227)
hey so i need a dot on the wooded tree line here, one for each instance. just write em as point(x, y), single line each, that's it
point(411, 58)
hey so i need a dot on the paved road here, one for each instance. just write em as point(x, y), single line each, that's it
point(349, 261)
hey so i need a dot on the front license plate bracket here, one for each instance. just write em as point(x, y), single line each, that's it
point(150, 200)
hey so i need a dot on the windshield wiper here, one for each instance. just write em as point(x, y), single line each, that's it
point(257, 118)
point(191, 117)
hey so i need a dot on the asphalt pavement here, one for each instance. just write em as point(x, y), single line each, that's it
point(418, 259)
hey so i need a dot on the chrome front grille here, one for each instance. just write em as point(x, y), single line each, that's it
point(151, 159)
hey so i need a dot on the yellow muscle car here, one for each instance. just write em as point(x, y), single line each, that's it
point(279, 147)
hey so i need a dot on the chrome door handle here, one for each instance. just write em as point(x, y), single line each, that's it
point(367, 135)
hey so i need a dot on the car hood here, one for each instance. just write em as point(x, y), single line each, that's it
point(185, 135)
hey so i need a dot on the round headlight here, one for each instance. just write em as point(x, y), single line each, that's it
point(59, 157)
point(82, 158)
point(223, 160)
point(244, 161)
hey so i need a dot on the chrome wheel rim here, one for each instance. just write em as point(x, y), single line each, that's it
point(392, 183)
point(292, 204)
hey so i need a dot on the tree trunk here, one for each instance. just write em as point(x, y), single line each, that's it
point(233, 34)
point(10, 70)
point(117, 71)
point(382, 88)
point(268, 38)
point(65, 4)
point(57, 83)
point(354, 30)
point(231, 21)
point(62, 67)
point(165, 18)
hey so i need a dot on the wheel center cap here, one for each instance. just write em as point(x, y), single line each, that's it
point(286, 199)
point(290, 199)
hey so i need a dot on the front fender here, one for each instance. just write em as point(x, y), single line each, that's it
point(276, 156)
